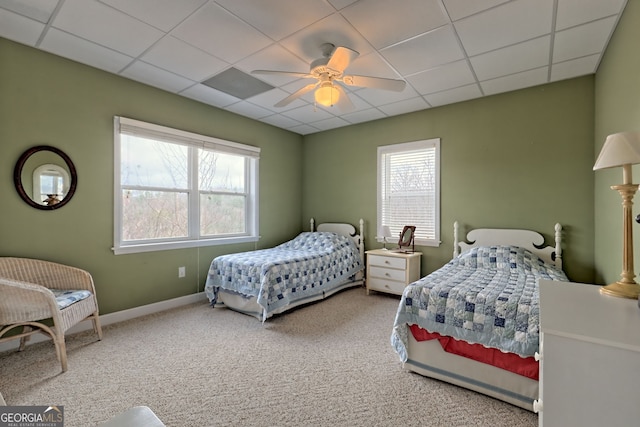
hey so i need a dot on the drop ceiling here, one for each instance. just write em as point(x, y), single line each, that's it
point(446, 50)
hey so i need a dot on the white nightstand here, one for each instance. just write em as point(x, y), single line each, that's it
point(589, 357)
point(391, 272)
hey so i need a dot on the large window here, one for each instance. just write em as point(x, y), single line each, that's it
point(176, 189)
point(409, 189)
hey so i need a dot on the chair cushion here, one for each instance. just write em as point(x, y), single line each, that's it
point(65, 298)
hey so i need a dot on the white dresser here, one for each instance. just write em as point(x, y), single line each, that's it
point(589, 357)
point(391, 272)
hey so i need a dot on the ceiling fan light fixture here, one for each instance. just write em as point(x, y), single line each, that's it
point(327, 95)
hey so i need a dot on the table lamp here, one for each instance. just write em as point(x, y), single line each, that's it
point(623, 149)
point(384, 231)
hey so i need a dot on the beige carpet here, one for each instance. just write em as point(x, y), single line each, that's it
point(326, 364)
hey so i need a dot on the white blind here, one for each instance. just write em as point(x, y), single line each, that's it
point(408, 191)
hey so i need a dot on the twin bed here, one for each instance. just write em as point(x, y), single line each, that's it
point(312, 266)
point(475, 321)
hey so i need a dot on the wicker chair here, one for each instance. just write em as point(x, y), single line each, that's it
point(27, 302)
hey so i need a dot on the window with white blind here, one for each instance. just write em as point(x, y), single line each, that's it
point(409, 190)
point(176, 189)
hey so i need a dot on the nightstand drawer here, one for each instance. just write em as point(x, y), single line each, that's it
point(391, 272)
point(388, 273)
point(382, 285)
point(387, 261)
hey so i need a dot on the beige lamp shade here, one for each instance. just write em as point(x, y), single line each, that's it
point(619, 149)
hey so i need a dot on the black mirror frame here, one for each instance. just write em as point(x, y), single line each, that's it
point(17, 177)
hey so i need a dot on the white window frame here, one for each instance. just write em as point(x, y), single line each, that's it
point(166, 134)
point(422, 237)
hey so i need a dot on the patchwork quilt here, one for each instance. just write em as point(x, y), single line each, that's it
point(309, 265)
point(487, 295)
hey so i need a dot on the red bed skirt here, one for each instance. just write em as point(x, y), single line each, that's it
point(527, 367)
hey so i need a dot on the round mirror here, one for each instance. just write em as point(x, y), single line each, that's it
point(45, 177)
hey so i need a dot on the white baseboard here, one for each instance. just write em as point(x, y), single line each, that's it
point(118, 316)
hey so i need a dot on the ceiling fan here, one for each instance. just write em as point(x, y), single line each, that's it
point(329, 71)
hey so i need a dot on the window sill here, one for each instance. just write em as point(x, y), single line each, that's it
point(165, 246)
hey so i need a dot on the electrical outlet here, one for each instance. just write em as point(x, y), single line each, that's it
point(182, 271)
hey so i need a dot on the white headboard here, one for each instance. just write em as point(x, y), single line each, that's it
point(527, 239)
point(345, 230)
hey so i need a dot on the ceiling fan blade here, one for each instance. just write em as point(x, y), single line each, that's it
point(374, 82)
point(285, 73)
point(296, 94)
point(341, 58)
point(344, 103)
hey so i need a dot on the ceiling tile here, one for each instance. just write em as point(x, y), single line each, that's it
point(363, 116)
point(377, 97)
point(40, 10)
point(18, 28)
point(80, 50)
point(248, 109)
point(576, 67)
point(276, 58)
point(156, 77)
point(442, 78)
point(303, 129)
point(429, 50)
point(405, 106)
point(105, 26)
point(576, 12)
point(374, 65)
point(307, 114)
point(331, 123)
point(461, 8)
point(502, 26)
point(270, 98)
point(341, 4)
point(451, 96)
point(280, 121)
point(431, 44)
point(512, 59)
point(181, 58)
point(515, 81)
point(209, 95)
point(583, 40)
point(384, 23)
point(221, 34)
point(278, 18)
point(307, 43)
point(162, 14)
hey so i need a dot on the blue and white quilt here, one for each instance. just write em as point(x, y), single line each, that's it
point(309, 265)
point(487, 295)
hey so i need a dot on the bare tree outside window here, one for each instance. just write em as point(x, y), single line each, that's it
point(408, 189)
point(175, 191)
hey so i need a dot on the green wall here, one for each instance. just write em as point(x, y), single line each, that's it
point(617, 109)
point(520, 160)
point(45, 99)
point(517, 160)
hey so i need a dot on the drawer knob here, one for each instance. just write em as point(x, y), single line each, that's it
point(537, 406)
point(537, 356)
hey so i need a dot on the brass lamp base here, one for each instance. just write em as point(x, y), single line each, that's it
point(621, 290)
